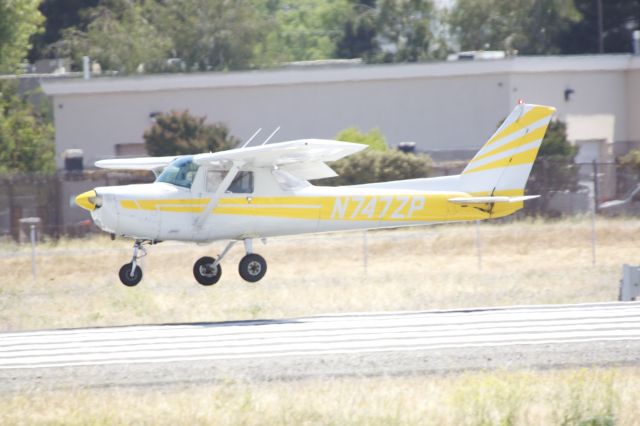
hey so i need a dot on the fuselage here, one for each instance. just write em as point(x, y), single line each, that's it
point(162, 211)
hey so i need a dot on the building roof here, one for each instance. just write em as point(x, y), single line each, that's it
point(355, 73)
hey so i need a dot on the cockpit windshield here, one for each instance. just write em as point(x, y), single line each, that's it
point(180, 172)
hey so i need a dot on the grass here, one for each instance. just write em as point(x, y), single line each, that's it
point(565, 397)
point(523, 262)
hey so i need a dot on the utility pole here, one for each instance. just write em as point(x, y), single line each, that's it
point(600, 27)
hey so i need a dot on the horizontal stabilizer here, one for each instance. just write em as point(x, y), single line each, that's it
point(491, 200)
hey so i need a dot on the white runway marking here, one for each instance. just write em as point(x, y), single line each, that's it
point(331, 334)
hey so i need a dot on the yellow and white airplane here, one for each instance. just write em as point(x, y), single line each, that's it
point(264, 191)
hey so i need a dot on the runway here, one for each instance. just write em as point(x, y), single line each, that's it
point(582, 334)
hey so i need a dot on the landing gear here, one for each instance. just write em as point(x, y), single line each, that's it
point(252, 267)
point(207, 271)
point(131, 274)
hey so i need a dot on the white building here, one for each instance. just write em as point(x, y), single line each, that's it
point(445, 106)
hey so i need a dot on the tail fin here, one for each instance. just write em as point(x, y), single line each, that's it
point(503, 165)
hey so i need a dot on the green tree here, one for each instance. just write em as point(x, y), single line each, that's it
point(302, 30)
point(526, 26)
point(360, 31)
point(119, 36)
point(180, 133)
point(19, 20)
point(374, 138)
point(213, 34)
point(59, 15)
point(619, 19)
point(405, 30)
point(26, 135)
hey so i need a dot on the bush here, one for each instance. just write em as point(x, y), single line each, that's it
point(374, 139)
point(379, 166)
point(180, 133)
point(631, 161)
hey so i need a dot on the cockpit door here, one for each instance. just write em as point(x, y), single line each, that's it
point(234, 215)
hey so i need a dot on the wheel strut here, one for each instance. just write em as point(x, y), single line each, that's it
point(131, 273)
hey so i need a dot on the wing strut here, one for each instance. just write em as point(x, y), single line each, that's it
point(224, 185)
point(270, 136)
point(251, 138)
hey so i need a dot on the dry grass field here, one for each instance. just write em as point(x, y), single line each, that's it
point(596, 397)
point(523, 262)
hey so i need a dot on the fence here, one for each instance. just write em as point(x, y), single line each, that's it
point(50, 197)
point(565, 189)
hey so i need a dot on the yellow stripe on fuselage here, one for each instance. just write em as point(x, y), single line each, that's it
point(164, 203)
point(410, 208)
point(129, 204)
point(384, 208)
point(500, 193)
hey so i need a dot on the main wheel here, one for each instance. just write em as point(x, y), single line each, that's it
point(204, 272)
point(125, 275)
point(252, 267)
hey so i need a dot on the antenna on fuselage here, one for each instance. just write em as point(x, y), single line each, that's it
point(251, 138)
point(270, 136)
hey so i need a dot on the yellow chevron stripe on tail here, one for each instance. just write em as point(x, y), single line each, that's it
point(504, 163)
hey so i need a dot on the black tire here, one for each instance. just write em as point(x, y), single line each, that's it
point(125, 275)
point(203, 273)
point(252, 267)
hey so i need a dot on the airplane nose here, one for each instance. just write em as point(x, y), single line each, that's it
point(88, 200)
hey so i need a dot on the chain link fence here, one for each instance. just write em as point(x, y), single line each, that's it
point(51, 198)
point(565, 189)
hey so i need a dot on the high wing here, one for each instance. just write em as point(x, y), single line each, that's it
point(155, 164)
point(304, 158)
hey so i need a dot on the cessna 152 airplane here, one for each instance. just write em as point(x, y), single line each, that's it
point(264, 191)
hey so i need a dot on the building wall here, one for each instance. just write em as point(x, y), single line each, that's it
point(446, 108)
point(595, 92)
point(437, 114)
point(633, 104)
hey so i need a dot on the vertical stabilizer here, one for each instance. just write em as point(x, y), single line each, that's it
point(503, 165)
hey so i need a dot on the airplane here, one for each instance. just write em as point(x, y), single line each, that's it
point(259, 192)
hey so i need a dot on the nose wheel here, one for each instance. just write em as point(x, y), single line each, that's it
point(130, 273)
point(252, 267)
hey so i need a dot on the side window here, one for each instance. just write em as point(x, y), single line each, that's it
point(214, 179)
point(242, 184)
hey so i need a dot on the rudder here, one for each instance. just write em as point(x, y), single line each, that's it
point(503, 164)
